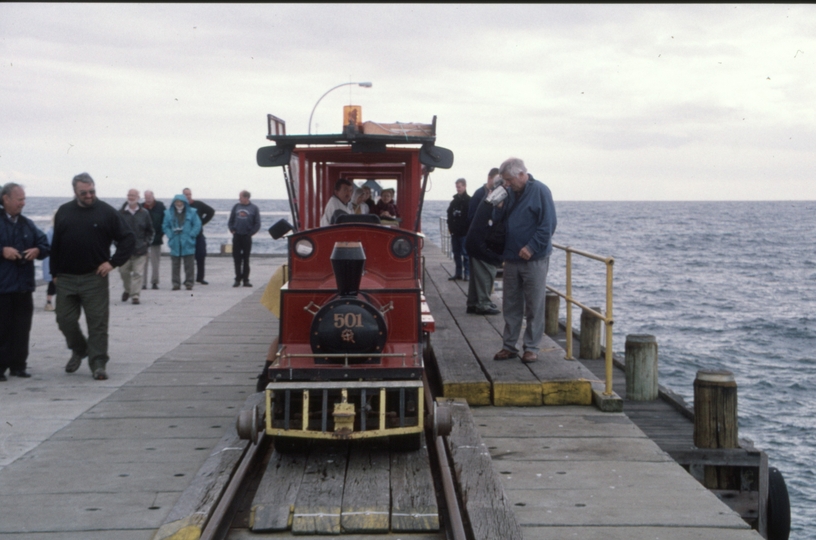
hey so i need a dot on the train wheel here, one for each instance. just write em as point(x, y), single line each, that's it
point(405, 443)
point(779, 517)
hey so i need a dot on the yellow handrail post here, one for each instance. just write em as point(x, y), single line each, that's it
point(608, 326)
point(569, 304)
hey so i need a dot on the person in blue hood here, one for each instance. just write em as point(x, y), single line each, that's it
point(182, 225)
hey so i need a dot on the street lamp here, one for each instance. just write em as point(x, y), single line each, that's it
point(363, 84)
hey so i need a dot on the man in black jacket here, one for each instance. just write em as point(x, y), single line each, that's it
point(484, 245)
point(21, 242)
point(140, 222)
point(206, 213)
point(84, 230)
point(458, 227)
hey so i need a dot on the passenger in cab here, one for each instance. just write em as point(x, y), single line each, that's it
point(372, 207)
point(386, 207)
point(358, 202)
point(339, 201)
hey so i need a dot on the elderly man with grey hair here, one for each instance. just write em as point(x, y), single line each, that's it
point(21, 242)
point(529, 218)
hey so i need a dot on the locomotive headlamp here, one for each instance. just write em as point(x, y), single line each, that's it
point(304, 247)
point(401, 247)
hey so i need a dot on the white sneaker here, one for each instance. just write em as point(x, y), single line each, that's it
point(49, 306)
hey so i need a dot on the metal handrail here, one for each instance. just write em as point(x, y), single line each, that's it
point(607, 319)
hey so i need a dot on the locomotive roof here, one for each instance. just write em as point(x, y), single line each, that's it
point(349, 138)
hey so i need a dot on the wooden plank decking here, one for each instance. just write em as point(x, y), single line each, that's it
point(464, 346)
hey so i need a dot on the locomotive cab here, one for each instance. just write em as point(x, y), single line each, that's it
point(348, 360)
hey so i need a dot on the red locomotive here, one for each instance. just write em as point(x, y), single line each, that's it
point(348, 361)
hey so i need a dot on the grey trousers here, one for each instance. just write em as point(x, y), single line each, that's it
point(152, 261)
point(91, 293)
point(189, 270)
point(482, 276)
point(525, 291)
point(132, 273)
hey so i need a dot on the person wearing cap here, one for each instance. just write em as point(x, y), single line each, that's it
point(529, 218)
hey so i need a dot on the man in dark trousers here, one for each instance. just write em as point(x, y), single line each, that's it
point(458, 227)
point(84, 230)
point(21, 242)
point(244, 221)
point(205, 213)
point(529, 216)
point(484, 244)
point(156, 209)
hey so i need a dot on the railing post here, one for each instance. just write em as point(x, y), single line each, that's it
point(569, 304)
point(715, 420)
point(551, 306)
point(641, 367)
point(590, 341)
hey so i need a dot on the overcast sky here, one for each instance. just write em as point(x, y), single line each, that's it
point(603, 102)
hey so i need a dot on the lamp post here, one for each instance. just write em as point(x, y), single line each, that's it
point(363, 84)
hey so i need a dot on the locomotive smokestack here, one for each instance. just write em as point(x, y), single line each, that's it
point(348, 263)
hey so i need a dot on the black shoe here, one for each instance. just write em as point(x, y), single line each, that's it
point(20, 373)
point(454, 278)
point(155, 287)
point(247, 283)
point(488, 311)
point(74, 363)
point(237, 283)
point(125, 296)
point(471, 309)
point(202, 282)
point(3, 378)
point(176, 287)
point(144, 287)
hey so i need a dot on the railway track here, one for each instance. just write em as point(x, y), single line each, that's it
point(357, 488)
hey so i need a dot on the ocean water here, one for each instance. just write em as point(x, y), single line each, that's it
point(721, 285)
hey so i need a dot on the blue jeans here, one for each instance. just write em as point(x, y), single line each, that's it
point(460, 256)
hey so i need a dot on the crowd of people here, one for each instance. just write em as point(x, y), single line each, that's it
point(77, 262)
point(509, 222)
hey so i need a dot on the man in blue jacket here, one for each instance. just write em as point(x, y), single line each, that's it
point(244, 221)
point(21, 242)
point(529, 217)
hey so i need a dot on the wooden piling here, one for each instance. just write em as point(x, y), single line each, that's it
point(715, 421)
point(590, 342)
point(641, 367)
point(551, 307)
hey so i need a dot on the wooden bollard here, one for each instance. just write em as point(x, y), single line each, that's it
point(590, 342)
point(641, 367)
point(551, 306)
point(715, 420)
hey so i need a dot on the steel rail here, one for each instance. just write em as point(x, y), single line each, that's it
point(214, 524)
point(451, 502)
